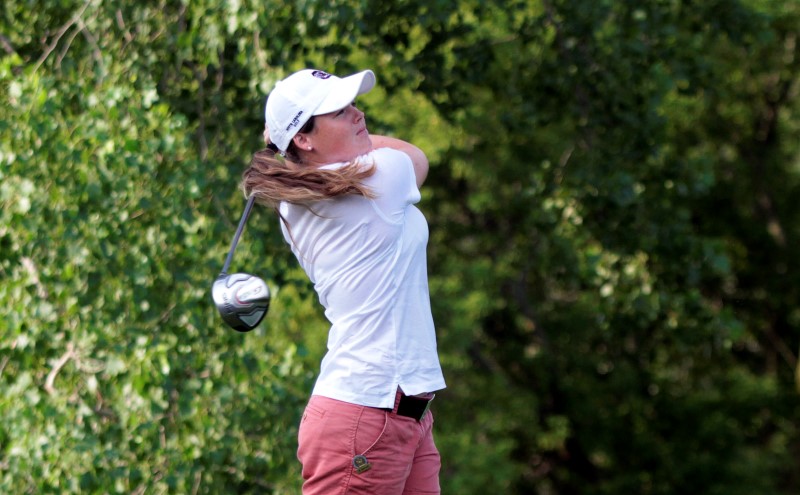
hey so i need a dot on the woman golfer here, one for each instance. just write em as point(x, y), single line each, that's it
point(346, 204)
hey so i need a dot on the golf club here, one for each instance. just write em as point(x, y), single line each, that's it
point(242, 299)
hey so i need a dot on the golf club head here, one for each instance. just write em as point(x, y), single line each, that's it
point(242, 300)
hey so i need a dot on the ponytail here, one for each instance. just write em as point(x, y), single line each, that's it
point(271, 179)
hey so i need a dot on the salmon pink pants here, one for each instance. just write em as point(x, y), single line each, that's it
point(347, 449)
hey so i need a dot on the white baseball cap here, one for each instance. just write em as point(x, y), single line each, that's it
point(306, 93)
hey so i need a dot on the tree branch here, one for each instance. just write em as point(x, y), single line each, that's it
point(125, 33)
point(7, 46)
point(96, 53)
point(52, 46)
point(62, 361)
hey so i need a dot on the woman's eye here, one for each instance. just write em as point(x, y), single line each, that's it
point(343, 110)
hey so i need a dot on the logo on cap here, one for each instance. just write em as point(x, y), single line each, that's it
point(295, 121)
point(320, 74)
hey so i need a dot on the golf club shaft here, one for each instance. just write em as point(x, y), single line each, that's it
point(242, 222)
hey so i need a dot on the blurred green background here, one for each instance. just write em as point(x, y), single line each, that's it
point(613, 203)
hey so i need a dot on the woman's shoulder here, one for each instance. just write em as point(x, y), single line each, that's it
point(390, 163)
point(390, 154)
point(380, 157)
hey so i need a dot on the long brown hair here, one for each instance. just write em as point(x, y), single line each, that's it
point(273, 178)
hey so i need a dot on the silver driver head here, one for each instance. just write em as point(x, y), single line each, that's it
point(242, 300)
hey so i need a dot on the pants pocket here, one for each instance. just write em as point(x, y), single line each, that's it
point(370, 430)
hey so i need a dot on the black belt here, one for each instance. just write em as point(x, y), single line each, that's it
point(413, 407)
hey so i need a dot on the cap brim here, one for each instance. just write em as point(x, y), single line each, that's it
point(346, 91)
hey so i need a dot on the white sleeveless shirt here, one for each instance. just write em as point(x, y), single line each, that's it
point(367, 261)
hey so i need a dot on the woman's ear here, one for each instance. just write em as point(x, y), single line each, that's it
point(301, 141)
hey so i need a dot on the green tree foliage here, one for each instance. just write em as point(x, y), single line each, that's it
point(613, 216)
point(585, 227)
